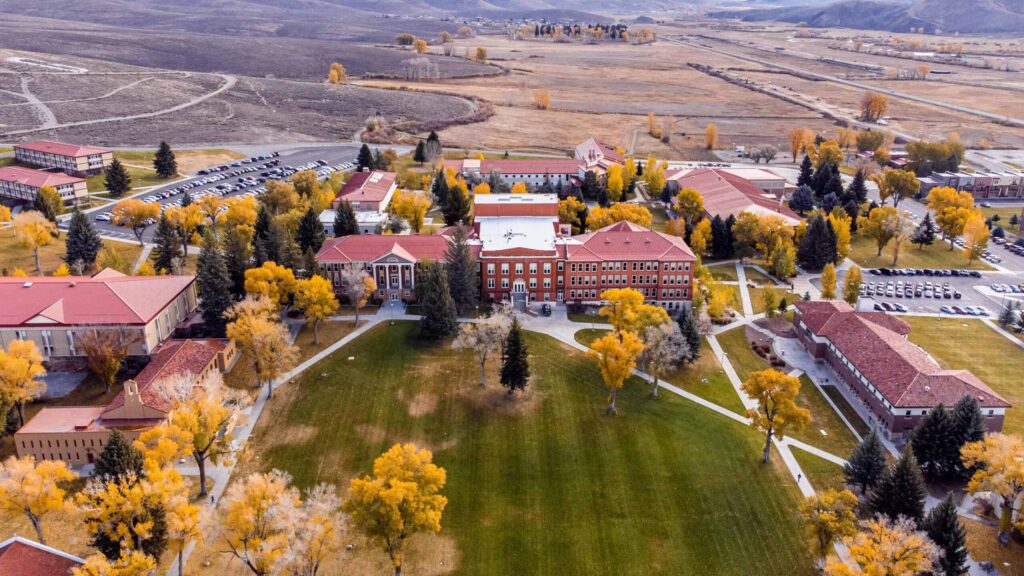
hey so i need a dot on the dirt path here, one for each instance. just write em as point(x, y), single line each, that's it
point(229, 82)
point(42, 110)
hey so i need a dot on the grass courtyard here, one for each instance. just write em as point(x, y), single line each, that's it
point(863, 252)
point(959, 343)
point(13, 255)
point(544, 483)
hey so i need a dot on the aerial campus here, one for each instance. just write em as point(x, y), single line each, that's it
point(442, 302)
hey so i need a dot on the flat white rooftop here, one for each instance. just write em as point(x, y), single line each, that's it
point(523, 199)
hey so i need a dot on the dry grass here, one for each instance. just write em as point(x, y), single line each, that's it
point(14, 255)
point(983, 545)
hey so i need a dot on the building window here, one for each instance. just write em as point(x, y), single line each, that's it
point(490, 268)
point(490, 282)
point(519, 268)
point(561, 265)
point(547, 268)
point(533, 267)
point(504, 268)
point(504, 283)
point(533, 282)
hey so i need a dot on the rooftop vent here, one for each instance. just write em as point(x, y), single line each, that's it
point(927, 388)
point(27, 284)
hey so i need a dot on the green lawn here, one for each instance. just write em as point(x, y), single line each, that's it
point(758, 278)
point(1005, 213)
point(757, 297)
point(7, 161)
point(723, 272)
point(863, 252)
point(970, 344)
point(544, 484)
point(691, 378)
point(837, 438)
point(659, 218)
point(851, 415)
point(141, 178)
point(821, 473)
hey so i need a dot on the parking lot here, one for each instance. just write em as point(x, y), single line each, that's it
point(947, 291)
point(243, 177)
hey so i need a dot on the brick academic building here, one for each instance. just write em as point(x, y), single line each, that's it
point(526, 255)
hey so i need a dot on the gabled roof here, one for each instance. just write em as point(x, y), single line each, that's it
point(60, 148)
point(371, 186)
point(23, 557)
point(371, 247)
point(512, 205)
point(593, 152)
point(172, 358)
point(103, 299)
point(875, 344)
point(35, 178)
point(726, 194)
point(628, 241)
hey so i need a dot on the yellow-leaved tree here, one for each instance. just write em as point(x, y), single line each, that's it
point(711, 136)
point(569, 211)
point(21, 367)
point(828, 282)
point(125, 511)
point(34, 231)
point(130, 563)
point(654, 175)
point(998, 461)
point(777, 411)
point(481, 188)
point(887, 548)
point(614, 182)
point(104, 351)
point(253, 325)
point(358, 287)
point(315, 297)
point(256, 520)
point(851, 285)
point(626, 311)
point(519, 188)
point(880, 226)
point(952, 211)
point(271, 280)
point(629, 172)
point(33, 489)
point(829, 516)
point(896, 184)
point(186, 220)
point(410, 206)
point(402, 498)
point(61, 270)
point(700, 238)
point(976, 236)
point(336, 74)
point(689, 204)
point(616, 354)
point(621, 211)
point(799, 139)
point(135, 214)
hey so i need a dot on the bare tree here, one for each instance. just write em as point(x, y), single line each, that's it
point(421, 68)
point(357, 286)
point(482, 338)
point(665, 348)
point(105, 350)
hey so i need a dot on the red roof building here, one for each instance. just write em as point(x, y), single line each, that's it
point(23, 183)
point(597, 156)
point(369, 191)
point(727, 194)
point(69, 158)
point(895, 379)
point(534, 172)
point(55, 311)
point(23, 557)
point(76, 434)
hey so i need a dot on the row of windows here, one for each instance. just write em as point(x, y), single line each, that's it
point(93, 443)
point(635, 266)
point(666, 293)
point(519, 268)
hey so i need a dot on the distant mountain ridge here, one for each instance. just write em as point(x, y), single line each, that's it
point(964, 16)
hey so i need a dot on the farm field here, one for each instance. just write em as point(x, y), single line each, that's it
point(567, 488)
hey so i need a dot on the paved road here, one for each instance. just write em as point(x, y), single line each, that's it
point(333, 155)
point(895, 94)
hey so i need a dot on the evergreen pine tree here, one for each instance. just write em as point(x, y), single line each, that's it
point(866, 463)
point(802, 200)
point(117, 459)
point(820, 180)
point(345, 220)
point(82, 243)
point(237, 257)
point(365, 159)
point(433, 137)
point(439, 189)
point(291, 254)
point(944, 529)
point(858, 190)
point(828, 202)
point(590, 185)
point(164, 163)
point(853, 211)
point(924, 234)
point(730, 245)
point(309, 266)
point(935, 444)
point(153, 545)
point(267, 239)
point(420, 156)
point(688, 327)
point(968, 426)
point(455, 208)
point(639, 169)
point(721, 239)
point(830, 250)
point(117, 179)
point(806, 172)
point(212, 279)
point(900, 491)
point(439, 317)
point(186, 199)
point(515, 367)
point(310, 234)
point(602, 196)
point(812, 253)
point(834, 185)
point(461, 268)
point(167, 244)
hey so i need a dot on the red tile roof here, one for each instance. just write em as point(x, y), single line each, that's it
point(628, 241)
point(103, 299)
point(370, 247)
point(36, 178)
point(60, 148)
point(726, 194)
point(529, 166)
point(55, 419)
point(503, 205)
point(22, 557)
point(370, 186)
point(173, 357)
point(903, 373)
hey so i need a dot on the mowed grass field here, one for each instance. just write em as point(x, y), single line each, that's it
point(971, 345)
point(863, 251)
point(544, 483)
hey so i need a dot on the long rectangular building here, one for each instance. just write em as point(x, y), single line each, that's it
point(895, 380)
point(69, 158)
point(23, 183)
